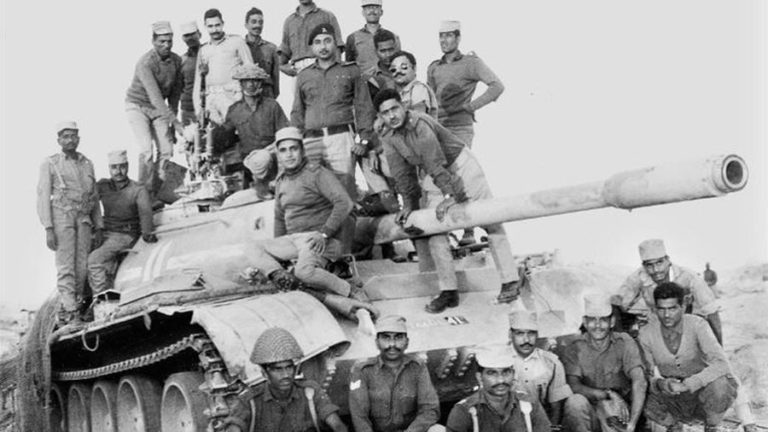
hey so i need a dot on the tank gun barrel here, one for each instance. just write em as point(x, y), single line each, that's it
point(685, 181)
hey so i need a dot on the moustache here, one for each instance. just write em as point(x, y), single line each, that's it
point(501, 387)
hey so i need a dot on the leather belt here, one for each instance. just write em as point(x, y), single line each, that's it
point(330, 130)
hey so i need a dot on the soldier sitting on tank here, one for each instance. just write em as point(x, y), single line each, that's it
point(657, 269)
point(282, 403)
point(392, 391)
point(127, 215)
point(433, 168)
point(605, 371)
point(539, 372)
point(497, 406)
point(310, 207)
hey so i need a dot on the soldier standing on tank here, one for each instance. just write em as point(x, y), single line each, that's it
point(392, 391)
point(656, 269)
point(360, 47)
point(432, 168)
point(605, 371)
point(264, 53)
point(539, 372)
point(295, 53)
point(152, 102)
point(497, 406)
point(127, 216)
point(283, 403)
point(67, 204)
point(191, 37)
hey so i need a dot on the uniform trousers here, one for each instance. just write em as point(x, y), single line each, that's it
point(583, 416)
point(708, 403)
point(309, 268)
point(73, 236)
point(102, 260)
point(465, 132)
point(150, 129)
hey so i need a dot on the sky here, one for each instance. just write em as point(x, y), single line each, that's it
point(593, 87)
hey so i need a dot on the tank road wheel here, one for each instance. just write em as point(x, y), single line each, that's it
point(79, 408)
point(57, 416)
point(138, 404)
point(183, 403)
point(104, 406)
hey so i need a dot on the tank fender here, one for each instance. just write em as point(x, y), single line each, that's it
point(234, 327)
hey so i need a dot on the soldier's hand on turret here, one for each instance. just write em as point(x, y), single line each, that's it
point(443, 207)
point(50, 239)
point(149, 238)
point(98, 238)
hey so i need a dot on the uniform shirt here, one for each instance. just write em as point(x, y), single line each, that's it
point(68, 184)
point(330, 97)
point(417, 96)
point(606, 369)
point(296, 29)
point(699, 359)
point(127, 209)
point(188, 67)
point(542, 375)
point(386, 400)
point(421, 143)
point(361, 49)
point(310, 199)
point(221, 57)
point(265, 55)
point(510, 420)
point(256, 127)
point(454, 84)
point(156, 80)
point(639, 284)
point(378, 78)
point(291, 415)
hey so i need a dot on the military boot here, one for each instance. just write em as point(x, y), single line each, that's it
point(510, 291)
point(446, 299)
point(284, 280)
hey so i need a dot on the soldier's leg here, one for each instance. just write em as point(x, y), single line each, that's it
point(64, 226)
point(579, 415)
point(163, 134)
point(101, 259)
point(716, 397)
point(266, 253)
point(141, 125)
point(338, 156)
point(310, 268)
point(83, 248)
point(667, 410)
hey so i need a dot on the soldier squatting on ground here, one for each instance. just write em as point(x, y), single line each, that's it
point(606, 382)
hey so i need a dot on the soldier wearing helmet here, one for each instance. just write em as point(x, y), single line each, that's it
point(283, 403)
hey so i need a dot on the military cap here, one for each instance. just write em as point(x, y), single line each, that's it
point(371, 3)
point(189, 27)
point(66, 125)
point(324, 29)
point(288, 132)
point(597, 305)
point(161, 28)
point(652, 249)
point(523, 320)
point(391, 324)
point(276, 344)
point(449, 26)
point(494, 356)
point(117, 157)
point(249, 71)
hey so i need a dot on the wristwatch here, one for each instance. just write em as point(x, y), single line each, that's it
point(325, 236)
point(364, 142)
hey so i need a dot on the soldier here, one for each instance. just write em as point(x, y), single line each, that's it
point(283, 403)
point(378, 75)
point(656, 269)
point(191, 37)
point(256, 118)
point(690, 377)
point(264, 53)
point(295, 54)
point(360, 47)
point(127, 215)
point(215, 62)
point(497, 407)
point(67, 204)
point(710, 277)
point(152, 102)
point(332, 103)
point(310, 207)
point(605, 371)
point(416, 95)
point(392, 392)
point(434, 169)
point(539, 372)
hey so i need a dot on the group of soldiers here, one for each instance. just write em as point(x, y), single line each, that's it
point(409, 139)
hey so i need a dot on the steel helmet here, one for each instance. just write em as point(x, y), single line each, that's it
point(276, 344)
point(249, 71)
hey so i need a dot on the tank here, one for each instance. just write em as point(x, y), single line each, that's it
point(169, 346)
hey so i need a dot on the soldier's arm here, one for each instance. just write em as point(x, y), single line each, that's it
point(197, 86)
point(337, 37)
point(284, 52)
point(364, 114)
point(243, 52)
point(44, 195)
point(459, 419)
point(558, 391)
point(350, 53)
point(717, 328)
point(714, 357)
point(494, 90)
point(428, 403)
point(639, 389)
point(178, 88)
point(96, 218)
point(539, 420)
point(280, 118)
point(628, 292)
point(275, 74)
point(359, 403)
point(149, 82)
point(280, 229)
point(298, 111)
point(335, 423)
